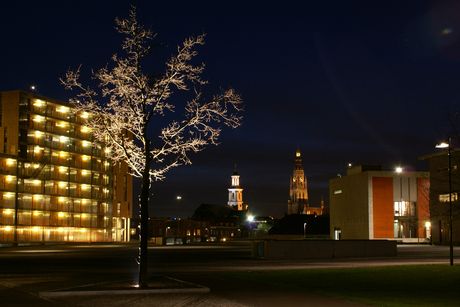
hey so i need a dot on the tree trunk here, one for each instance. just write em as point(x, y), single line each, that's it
point(143, 234)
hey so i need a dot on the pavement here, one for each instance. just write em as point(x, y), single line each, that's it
point(216, 290)
point(23, 289)
point(223, 291)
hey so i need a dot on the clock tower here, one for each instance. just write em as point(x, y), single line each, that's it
point(235, 193)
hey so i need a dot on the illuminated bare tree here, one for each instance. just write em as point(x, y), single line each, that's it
point(135, 103)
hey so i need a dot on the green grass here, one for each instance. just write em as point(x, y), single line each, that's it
point(417, 285)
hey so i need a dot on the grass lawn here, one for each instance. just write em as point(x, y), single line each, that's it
point(417, 285)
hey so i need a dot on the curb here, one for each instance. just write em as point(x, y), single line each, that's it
point(104, 292)
point(81, 291)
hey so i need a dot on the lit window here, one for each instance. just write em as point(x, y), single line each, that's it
point(444, 198)
point(338, 192)
point(63, 109)
point(39, 103)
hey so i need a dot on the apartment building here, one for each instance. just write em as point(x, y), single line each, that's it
point(55, 186)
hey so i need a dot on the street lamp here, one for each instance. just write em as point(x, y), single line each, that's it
point(304, 230)
point(448, 145)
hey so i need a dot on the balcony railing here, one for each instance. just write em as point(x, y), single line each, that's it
point(7, 203)
point(10, 170)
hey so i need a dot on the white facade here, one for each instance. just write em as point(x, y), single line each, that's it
point(235, 193)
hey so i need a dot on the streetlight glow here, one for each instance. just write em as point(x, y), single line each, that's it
point(442, 145)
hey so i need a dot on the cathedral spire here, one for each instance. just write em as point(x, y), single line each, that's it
point(298, 196)
point(298, 159)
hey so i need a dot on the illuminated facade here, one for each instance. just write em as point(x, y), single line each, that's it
point(370, 203)
point(54, 185)
point(298, 195)
point(235, 194)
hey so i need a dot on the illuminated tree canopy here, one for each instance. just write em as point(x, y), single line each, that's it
point(134, 105)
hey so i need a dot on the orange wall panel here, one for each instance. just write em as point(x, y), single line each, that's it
point(383, 208)
point(423, 189)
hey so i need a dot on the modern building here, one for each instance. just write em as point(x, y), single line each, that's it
point(440, 189)
point(369, 203)
point(55, 186)
point(298, 196)
point(122, 201)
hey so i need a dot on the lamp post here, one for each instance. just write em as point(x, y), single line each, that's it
point(304, 230)
point(400, 206)
point(448, 145)
point(178, 232)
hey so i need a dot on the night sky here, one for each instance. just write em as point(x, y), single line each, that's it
point(361, 82)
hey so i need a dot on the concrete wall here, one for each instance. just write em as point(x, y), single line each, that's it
point(322, 249)
point(350, 208)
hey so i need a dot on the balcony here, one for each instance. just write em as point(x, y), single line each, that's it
point(6, 169)
point(31, 187)
point(7, 203)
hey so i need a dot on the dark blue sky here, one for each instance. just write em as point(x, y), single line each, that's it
point(362, 82)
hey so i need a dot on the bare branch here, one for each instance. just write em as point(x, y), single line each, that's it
point(123, 120)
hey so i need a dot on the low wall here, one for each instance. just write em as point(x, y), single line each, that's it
point(306, 249)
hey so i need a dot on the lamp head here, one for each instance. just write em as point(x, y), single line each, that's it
point(442, 145)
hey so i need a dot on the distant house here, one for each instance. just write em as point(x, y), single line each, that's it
point(173, 231)
point(225, 222)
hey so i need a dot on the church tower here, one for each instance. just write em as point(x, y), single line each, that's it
point(298, 196)
point(235, 193)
